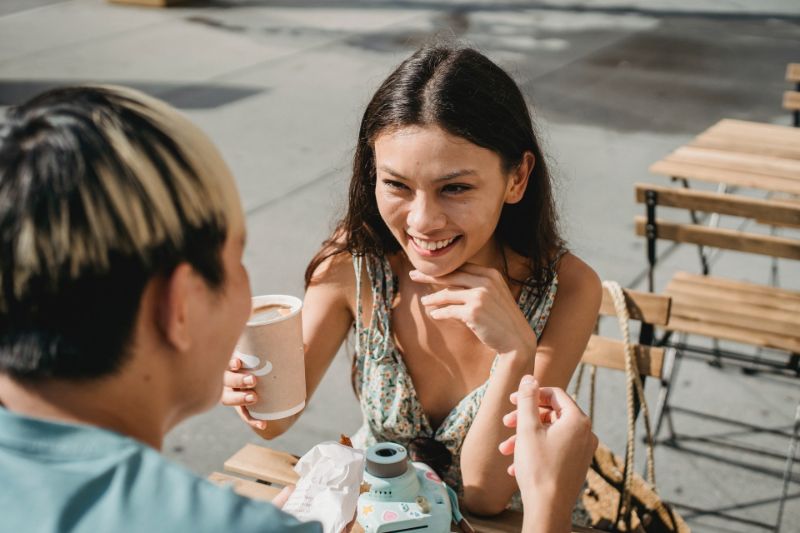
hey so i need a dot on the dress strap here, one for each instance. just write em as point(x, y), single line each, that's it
point(381, 280)
point(358, 264)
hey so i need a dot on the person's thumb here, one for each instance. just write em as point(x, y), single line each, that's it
point(528, 404)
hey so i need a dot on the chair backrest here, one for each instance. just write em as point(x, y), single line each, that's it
point(791, 99)
point(647, 308)
point(773, 212)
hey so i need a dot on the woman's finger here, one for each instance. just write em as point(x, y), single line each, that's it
point(445, 297)
point(559, 401)
point(511, 470)
point(513, 397)
point(510, 419)
point(252, 422)
point(234, 364)
point(454, 312)
point(238, 380)
point(234, 398)
point(455, 279)
point(507, 446)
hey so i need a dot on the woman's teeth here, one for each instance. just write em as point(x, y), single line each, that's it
point(433, 245)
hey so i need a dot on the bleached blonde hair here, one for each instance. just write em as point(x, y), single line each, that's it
point(142, 193)
point(101, 188)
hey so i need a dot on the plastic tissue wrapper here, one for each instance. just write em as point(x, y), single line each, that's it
point(329, 486)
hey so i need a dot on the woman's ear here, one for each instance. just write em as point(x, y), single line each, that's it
point(518, 179)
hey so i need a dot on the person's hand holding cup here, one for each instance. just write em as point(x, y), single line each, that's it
point(266, 376)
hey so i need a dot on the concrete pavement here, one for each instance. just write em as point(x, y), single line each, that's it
point(280, 87)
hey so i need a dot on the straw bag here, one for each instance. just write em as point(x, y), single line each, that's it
point(616, 498)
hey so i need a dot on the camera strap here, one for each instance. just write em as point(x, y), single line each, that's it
point(458, 518)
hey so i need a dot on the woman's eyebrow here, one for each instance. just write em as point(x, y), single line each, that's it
point(447, 177)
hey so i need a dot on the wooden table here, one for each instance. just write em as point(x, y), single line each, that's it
point(739, 153)
point(266, 471)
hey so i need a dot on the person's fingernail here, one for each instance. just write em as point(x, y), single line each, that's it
point(249, 380)
point(262, 425)
point(424, 299)
point(250, 398)
point(413, 274)
point(528, 380)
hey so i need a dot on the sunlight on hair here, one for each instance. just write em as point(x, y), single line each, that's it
point(137, 202)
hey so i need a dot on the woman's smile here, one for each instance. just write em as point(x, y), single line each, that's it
point(433, 248)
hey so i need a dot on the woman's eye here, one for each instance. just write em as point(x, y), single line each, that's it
point(455, 188)
point(392, 184)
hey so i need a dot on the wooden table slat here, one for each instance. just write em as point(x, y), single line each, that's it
point(737, 334)
point(263, 463)
point(738, 285)
point(760, 301)
point(713, 175)
point(747, 145)
point(245, 487)
point(791, 100)
point(762, 130)
point(739, 162)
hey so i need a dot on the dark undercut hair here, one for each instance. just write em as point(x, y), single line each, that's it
point(100, 191)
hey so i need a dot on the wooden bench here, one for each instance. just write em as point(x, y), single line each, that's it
point(267, 471)
point(747, 313)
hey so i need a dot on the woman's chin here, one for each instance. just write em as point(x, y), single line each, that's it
point(433, 268)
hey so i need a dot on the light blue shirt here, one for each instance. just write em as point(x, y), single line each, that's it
point(57, 477)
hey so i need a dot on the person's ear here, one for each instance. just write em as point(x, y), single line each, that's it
point(174, 307)
point(518, 179)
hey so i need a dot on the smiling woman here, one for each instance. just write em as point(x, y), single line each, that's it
point(450, 265)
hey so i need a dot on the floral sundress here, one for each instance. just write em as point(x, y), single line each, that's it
point(389, 403)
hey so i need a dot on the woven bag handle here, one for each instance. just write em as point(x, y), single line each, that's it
point(633, 389)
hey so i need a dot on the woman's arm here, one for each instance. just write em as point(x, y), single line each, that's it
point(487, 490)
point(327, 317)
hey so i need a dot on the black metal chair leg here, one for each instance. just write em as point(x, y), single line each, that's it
point(672, 361)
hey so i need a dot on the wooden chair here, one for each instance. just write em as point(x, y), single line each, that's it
point(791, 99)
point(761, 316)
point(747, 313)
point(603, 352)
point(649, 310)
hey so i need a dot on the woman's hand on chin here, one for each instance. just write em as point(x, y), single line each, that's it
point(479, 297)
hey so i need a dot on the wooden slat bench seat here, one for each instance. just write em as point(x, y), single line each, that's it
point(748, 313)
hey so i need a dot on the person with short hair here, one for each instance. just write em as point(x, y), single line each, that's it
point(122, 295)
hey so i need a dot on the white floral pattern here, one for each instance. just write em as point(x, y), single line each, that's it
point(389, 403)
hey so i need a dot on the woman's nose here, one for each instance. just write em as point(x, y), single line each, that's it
point(425, 215)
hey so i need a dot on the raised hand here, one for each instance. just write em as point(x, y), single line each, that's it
point(479, 297)
point(552, 448)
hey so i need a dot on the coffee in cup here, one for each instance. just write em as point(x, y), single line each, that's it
point(271, 348)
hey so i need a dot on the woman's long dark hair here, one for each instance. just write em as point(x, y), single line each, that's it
point(467, 95)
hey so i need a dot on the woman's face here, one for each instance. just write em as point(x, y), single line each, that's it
point(441, 196)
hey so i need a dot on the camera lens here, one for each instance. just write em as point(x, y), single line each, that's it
point(386, 460)
point(386, 452)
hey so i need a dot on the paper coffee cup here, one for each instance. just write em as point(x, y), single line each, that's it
point(271, 348)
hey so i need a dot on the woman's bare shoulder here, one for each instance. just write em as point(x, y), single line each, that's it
point(576, 277)
point(335, 271)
